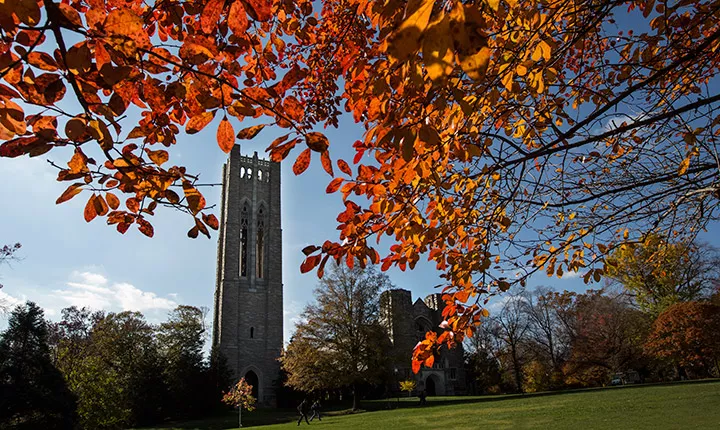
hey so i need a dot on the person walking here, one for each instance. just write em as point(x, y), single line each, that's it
point(303, 410)
point(315, 408)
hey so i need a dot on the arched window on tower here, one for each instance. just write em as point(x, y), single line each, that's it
point(260, 244)
point(244, 220)
point(252, 332)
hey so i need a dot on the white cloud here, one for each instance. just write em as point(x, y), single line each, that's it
point(570, 275)
point(94, 291)
point(7, 302)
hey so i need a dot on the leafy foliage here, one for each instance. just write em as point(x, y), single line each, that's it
point(575, 126)
point(240, 396)
point(659, 273)
point(686, 334)
point(7, 253)
point(340, 342)
point(33, 393)
point(408, 386)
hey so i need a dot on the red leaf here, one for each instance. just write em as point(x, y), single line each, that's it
point(343, 166)
point(326, 163)
point(430, 361)
point(302, 162)
point(260, 10)
point(132, 204)
point(193, 232)
point(226, 135)
point(123, 227)
point(310, 263)
point(334, 185)
point(210, 15)
point(416, 366)
point(310, 249)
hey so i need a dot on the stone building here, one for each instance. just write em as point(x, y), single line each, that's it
point(407, 322)
point(248, 314)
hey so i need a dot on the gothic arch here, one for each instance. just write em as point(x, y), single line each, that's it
point(261, 240)
point(245, 220)
point(257, 388)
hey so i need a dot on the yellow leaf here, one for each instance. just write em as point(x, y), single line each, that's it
point(494, 4)
point(437, 48)
point(405, 41)
point(542, 50)
point(684, 166)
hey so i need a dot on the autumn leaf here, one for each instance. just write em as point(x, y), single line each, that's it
point(158, 157)
point(211, 15)
point(226, 135)
point(211, 220)
point(302, 162)
point(133, 205)
point(310, 263)
point(112, 200)
point(344, 167)
point(196, 201)
point(260, 10)
point(684, 165)
point(42, 60)
point(250, 132)
point(127, 24)
point(405, 41)
point(145, 227)
point(326, 163)
point(334, 185)
point(90, 212)
point(69, 193)
point(317, 141)
point(237, 18)
point(199, 122)
point(437, 48)
point(470, 43)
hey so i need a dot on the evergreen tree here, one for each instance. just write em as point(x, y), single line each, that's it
point(33, 393)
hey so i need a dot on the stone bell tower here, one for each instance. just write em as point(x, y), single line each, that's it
point(248, 314)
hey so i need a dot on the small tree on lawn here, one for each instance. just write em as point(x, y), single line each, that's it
point(408, 386)
point(240, 396)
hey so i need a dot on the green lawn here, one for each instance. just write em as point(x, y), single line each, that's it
point(680, 406)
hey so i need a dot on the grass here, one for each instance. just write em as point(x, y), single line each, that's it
point(676, 406)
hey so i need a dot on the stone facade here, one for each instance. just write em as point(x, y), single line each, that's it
point(407, 322)
point(248, 314)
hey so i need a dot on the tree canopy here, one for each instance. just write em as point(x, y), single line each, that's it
point(501, 137)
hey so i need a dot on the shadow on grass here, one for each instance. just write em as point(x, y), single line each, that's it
point(263, 417)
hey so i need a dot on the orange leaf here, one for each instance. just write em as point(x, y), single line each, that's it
point(211, 220)
point(78, 163)
point(112, 200)
point(101, 208)
point(344, 167)
point(237, 19)
point(334, 185)
point(193, 232)
point(42, 60)
point(293, 108)
point(683, 166)
point(210, 15)
point(145, 227)
point(127, 24)
point(317, 141)
point(226, 135)
point(326, 162)
point(90, 213)
point(302, 162)
point(71, 192)
point(196, 201)
point(133, 204)
point(250, 132)
point(198, 122)
point(416, 366)
point(158, 157)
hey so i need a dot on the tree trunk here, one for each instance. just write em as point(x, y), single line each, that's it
point(518, 371)
point(356, 397)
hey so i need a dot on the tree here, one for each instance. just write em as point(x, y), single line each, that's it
point(340, 342)
point(659, 273)
point(502, 136)
point(240, 396)
point(482, 351)
point(180, 341)
point(408, 386)
point(608, 338)
point(512, 329)
point(686, 334)
point(33, 393)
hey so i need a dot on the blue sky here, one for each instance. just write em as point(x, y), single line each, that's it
point(66, 261)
